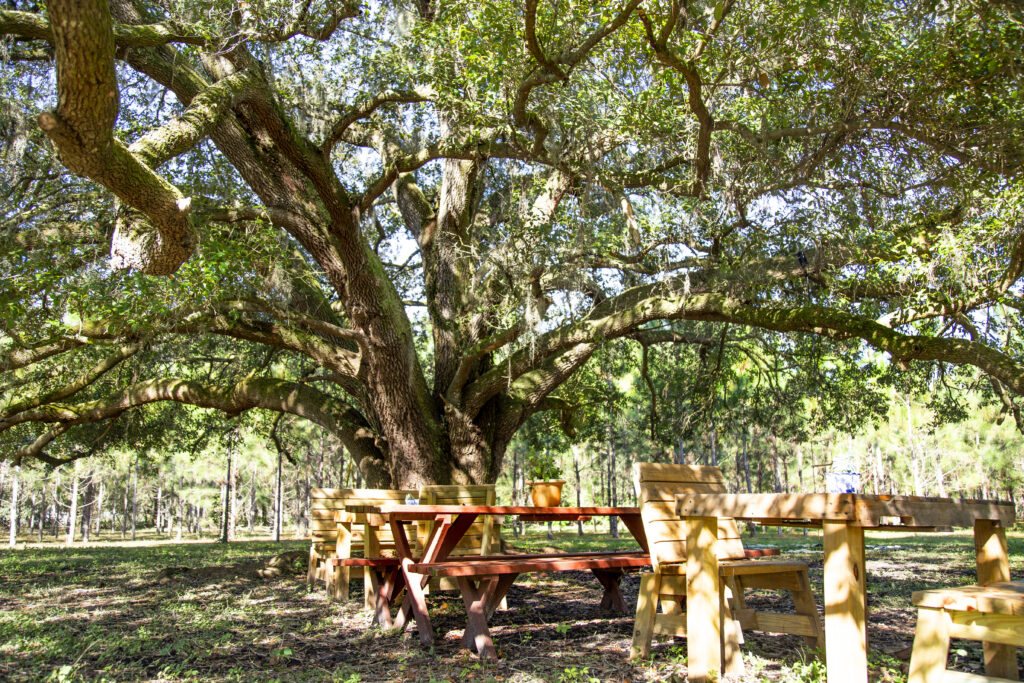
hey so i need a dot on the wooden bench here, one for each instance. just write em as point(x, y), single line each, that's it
point(333, 540)
point(665, 588)
point(484, 581)
point(993, 614)
point(481, 539)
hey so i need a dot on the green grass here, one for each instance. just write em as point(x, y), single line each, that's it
point(97, 613)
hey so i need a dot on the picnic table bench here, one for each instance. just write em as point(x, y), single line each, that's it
point(482, 579)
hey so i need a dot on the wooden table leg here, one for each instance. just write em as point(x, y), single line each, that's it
point(635, 524)
point(415, 599)
point(703, 607)
point(612, 599)
point(386, 589)
point(337, 582)
point(504, 583)
point(846, 636)
point(476, 598)
point(994, 566)
point(371, 548)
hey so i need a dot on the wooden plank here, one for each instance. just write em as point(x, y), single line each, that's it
point(995, 598)
point(650, 471)
point(703, 602)
point(774, 622)
point(1005, 629)
point(741, 567)
point(384, 494)
point(523, 564)
point(415, 512)
point(675, 551)
point(994, 567)
point(670, 625)
point(846, 653)
point(364, 561)
point(674, 529)
point(837, 506)
point(667, 491)
point(931, 647)
point(963, 677)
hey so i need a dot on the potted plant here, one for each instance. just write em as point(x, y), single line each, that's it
point(545, 485)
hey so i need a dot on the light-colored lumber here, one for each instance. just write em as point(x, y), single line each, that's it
point(996, 598)
point(846, 655)
point(931, 647)
point(703, 602)
point(657, 488)
point(994, 567)
point(989, 628)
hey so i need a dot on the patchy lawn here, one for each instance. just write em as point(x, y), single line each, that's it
point(99, 613)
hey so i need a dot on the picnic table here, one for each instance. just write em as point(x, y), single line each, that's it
point(484, 580)
point(843, 519)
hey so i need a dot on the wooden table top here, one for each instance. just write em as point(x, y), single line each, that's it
point(871, 511)
point(418, 512)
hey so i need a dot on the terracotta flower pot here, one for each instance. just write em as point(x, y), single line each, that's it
point(546, 494)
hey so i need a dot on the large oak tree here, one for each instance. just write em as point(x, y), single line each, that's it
point(411, 222)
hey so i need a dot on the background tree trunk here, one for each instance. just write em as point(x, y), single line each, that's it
point(278, 500)
point(135, 492)
point(14, 506)
point(73, 511)
point(87, 505)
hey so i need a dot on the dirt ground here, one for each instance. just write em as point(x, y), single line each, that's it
point(101, 613)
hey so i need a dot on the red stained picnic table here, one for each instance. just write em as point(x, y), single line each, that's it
point(484, 580)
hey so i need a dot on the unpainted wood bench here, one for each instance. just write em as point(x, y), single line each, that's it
point(485, 580)
point(993, 614)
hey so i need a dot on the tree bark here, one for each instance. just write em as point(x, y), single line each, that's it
point(73, 511)
point(88, 502)
point(13, 540)
point(278, 500)
point(135, 493)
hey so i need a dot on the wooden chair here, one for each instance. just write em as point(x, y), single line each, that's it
point(481, 539)
point(656, 488)
point(993, 614)
point(331, 539)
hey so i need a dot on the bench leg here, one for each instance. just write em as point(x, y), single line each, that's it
point(478, 636)
point(389, 584)
point(371, 548)
point(646, 610)
point(931, 647)
point(416, 603)
point(311, 568)
point(732, 633)
point(343, 550)
point(803, 600)
point(498, 599)
point(612, 599)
